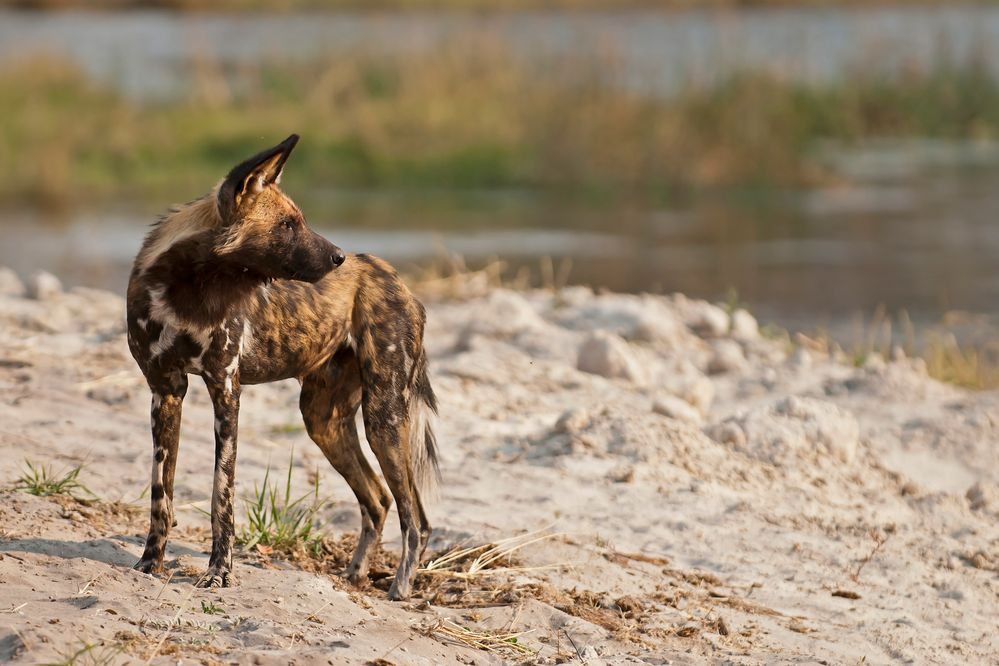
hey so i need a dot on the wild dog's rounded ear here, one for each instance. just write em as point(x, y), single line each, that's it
point(250, 177)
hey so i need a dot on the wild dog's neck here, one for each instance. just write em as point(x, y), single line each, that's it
point(186, 280)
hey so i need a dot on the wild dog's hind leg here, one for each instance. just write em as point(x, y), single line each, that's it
point(225, 399)
point(329, 402)
point(387, 423)
point(168, 397)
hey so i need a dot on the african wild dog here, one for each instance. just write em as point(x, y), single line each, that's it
point(235, 287)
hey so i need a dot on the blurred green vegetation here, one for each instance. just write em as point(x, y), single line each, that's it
point(458, 5)
point(467, 116)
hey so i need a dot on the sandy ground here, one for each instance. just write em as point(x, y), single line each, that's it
point(714, 496)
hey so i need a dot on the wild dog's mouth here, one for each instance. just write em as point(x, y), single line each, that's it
point(317, 266)
point(305, 264)
point(309, 276)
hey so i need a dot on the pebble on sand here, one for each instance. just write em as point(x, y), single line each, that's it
point(744, 326)
point(678, 409)
point(983, 496)
point(10, 284)
point(43, 286)
point(609, 355)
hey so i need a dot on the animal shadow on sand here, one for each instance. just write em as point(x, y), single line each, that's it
point(108, 551)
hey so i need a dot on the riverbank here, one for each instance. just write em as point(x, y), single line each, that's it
point(710, 494)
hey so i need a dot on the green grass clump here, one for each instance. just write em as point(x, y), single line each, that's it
point(289, 428)
point(41, 481)
point(211, 608)
point(277, 521)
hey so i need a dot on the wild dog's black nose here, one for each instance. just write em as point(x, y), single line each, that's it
point(338, 257)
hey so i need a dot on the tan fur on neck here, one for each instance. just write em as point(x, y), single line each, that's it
point(182, 223)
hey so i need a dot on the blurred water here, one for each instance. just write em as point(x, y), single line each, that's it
point(927, 243)
point(156, 53)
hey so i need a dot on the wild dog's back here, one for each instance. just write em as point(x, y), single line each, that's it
point(296, 327)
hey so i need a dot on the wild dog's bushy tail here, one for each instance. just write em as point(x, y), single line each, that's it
point(422, 441)
point(391, 320)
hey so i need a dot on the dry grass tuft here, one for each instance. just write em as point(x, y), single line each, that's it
point(975, 367)
point(497, 642)
point(960, 349)
point(879, 539)
point(450, 278)
point(474, 561)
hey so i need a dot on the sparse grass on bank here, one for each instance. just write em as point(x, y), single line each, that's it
point(277, 522)
point(970, 366)
point(956, 351)
point(470, 115)
point(42, 481)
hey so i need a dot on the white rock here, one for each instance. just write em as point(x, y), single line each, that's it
point(643, 318)
point(874, 362)
point(729, 432)
point(10, 284)
point(691, 386)
point(707, 320)
point(608, 355)
point(589, 656)
point(727, 357)
point(744, 326)
point(504, 313)
point(801, 359)
point(824, 423)
point(44, 286)
point(653, 327)
point(792, 427)
point(700, 392)
point(572, 421)
point(678, 409)
point(983, 496)
point(769, 377)
point(573, 296)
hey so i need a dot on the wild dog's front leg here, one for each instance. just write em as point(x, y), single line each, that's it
point(225, 398)
point(168, 397)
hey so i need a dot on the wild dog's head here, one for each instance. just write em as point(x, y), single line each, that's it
point(263, 231)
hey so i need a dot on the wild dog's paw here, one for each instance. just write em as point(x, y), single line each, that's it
point(217, 577)
point(399, 591)
point(148, 566)
point(356, 576)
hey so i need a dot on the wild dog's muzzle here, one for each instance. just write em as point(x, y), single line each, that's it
point(313, 259)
